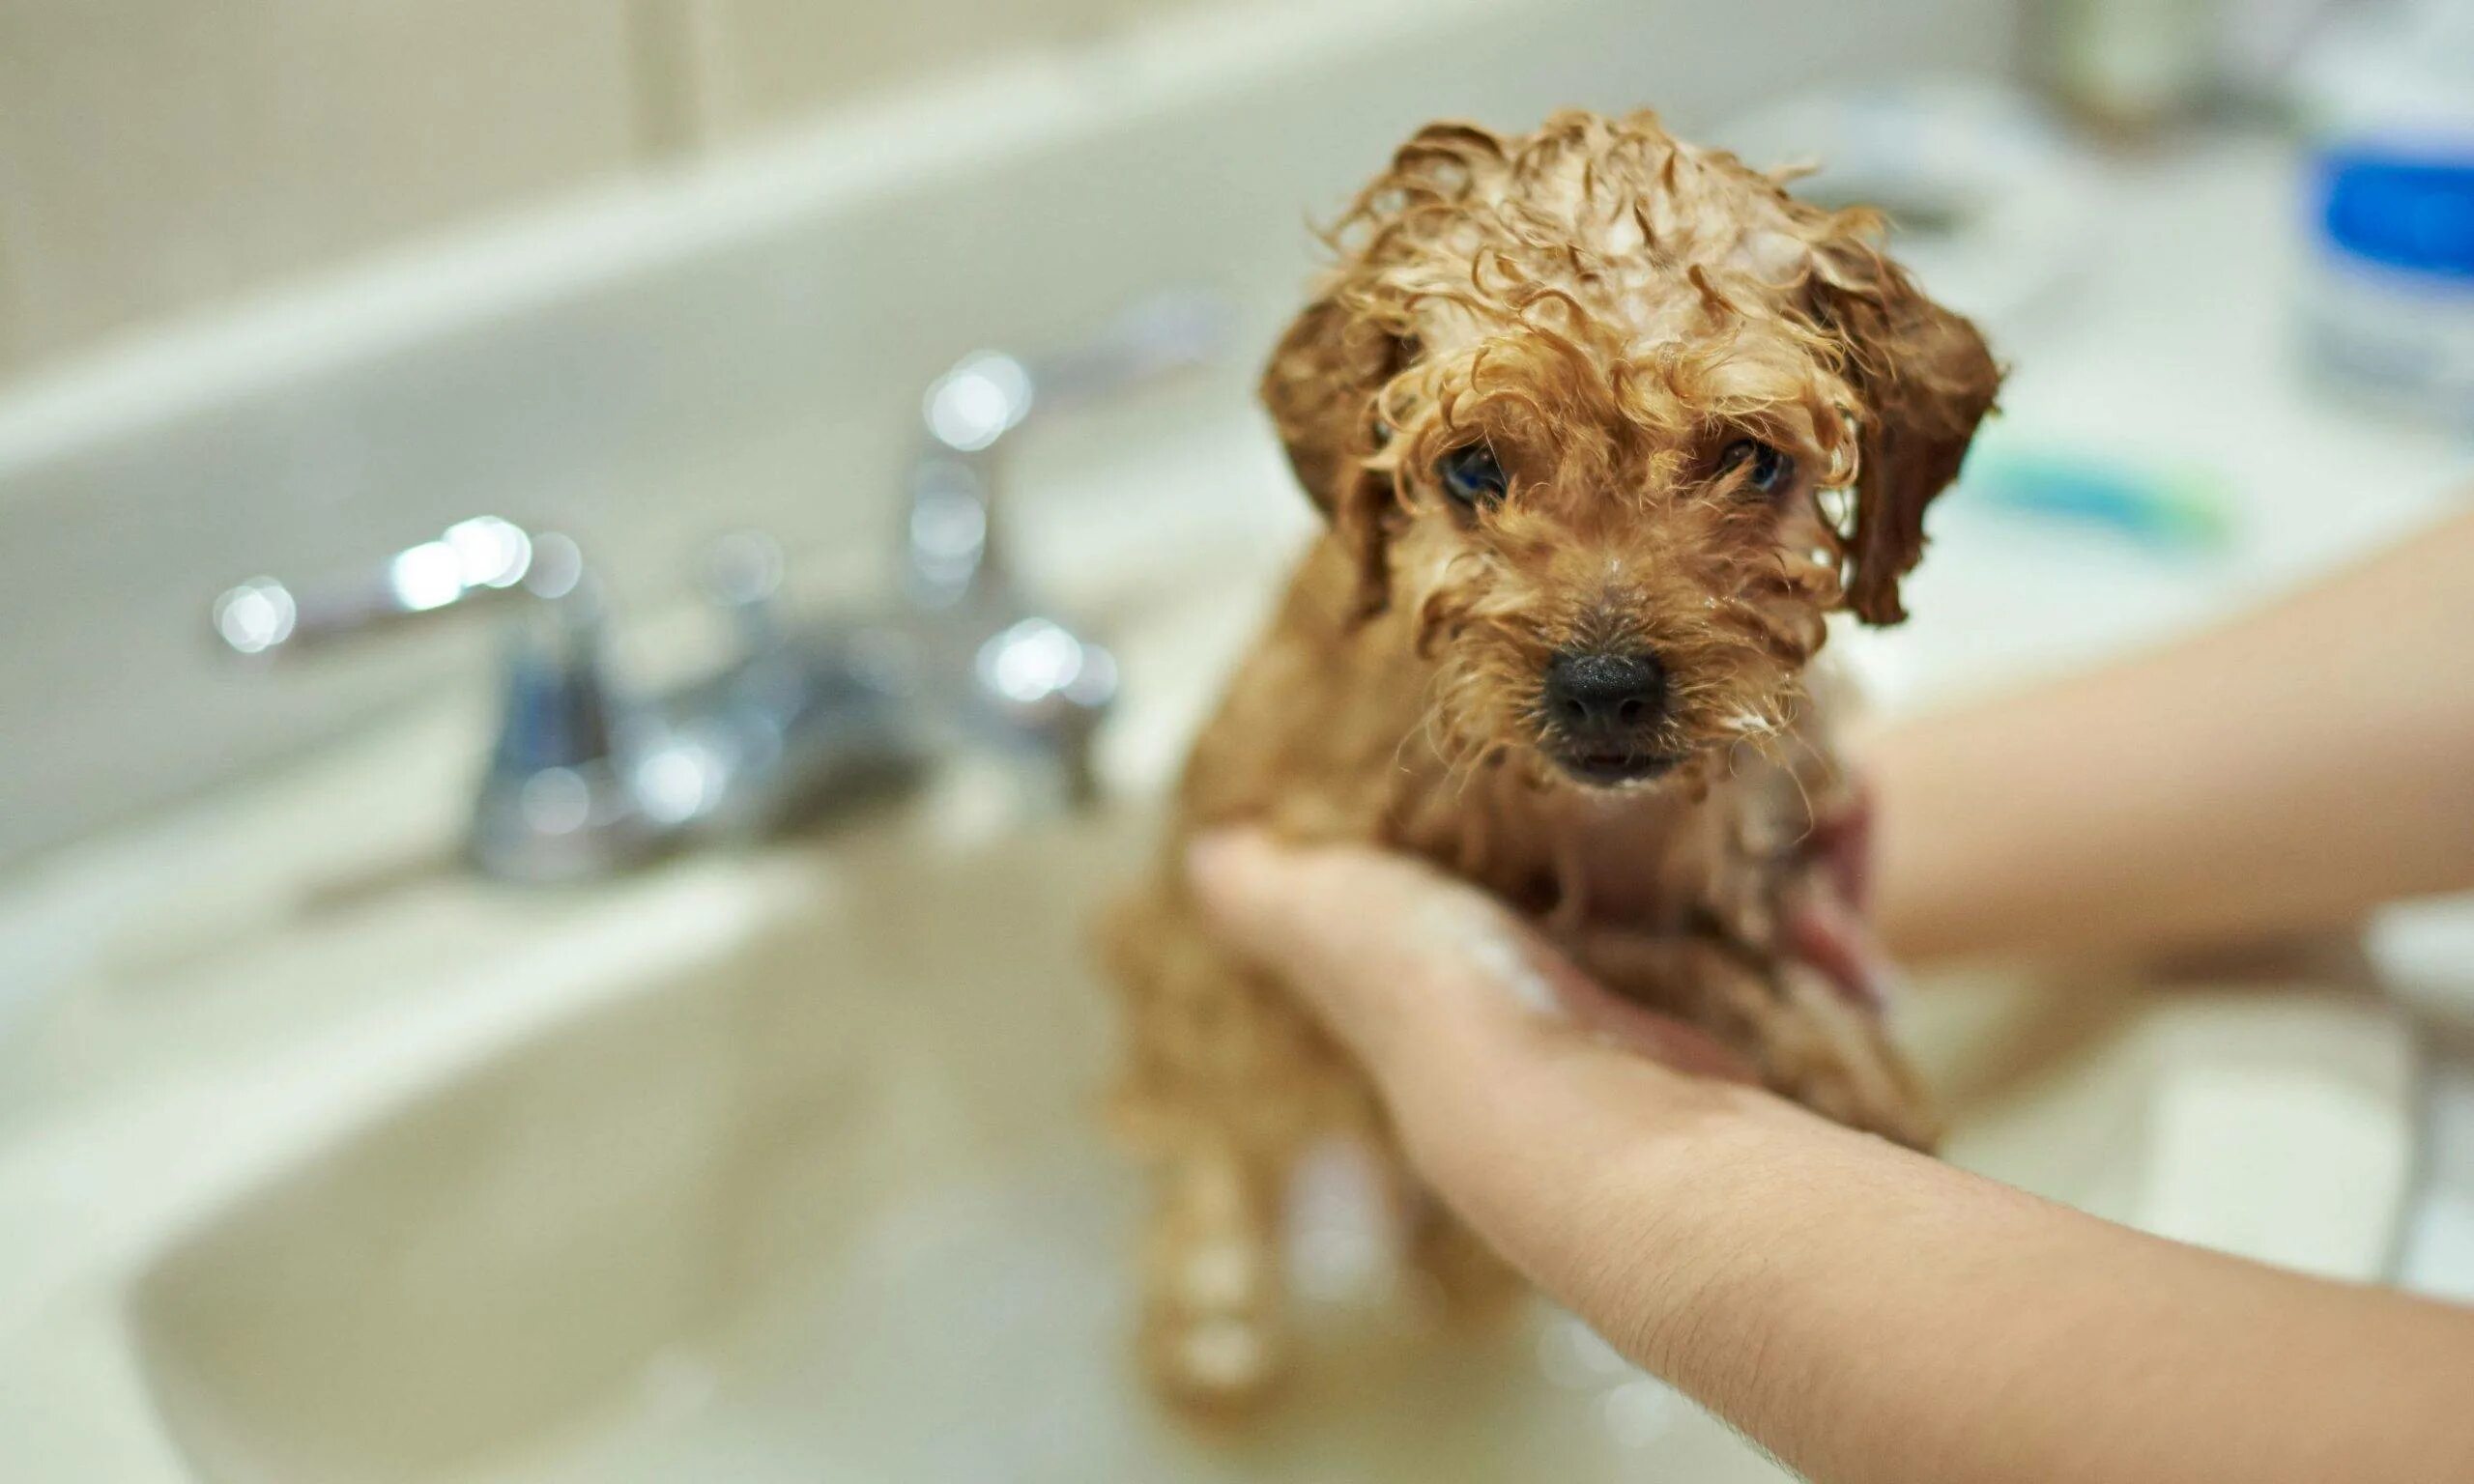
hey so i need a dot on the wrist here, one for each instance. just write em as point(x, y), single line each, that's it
point(1714, 1187)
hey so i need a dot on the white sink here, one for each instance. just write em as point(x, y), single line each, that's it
point(832, 1203)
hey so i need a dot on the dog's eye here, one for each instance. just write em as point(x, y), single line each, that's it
point(1470, 475)
point(1765, 469)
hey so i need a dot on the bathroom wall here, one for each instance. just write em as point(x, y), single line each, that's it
point(161, 155)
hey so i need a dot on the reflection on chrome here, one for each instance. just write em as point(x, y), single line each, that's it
point(424, 577)
point(483, 557)
point(949, 523)
point(1032, 660)
point(554, 568)
point(556, 801)
point(971, 406)
point(681, 780)
point(257, 616)
point(483, 552)
point(489, 552)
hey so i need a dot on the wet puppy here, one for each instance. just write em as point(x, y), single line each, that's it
point(1604, 425)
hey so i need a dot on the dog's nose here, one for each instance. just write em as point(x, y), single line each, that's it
point(1598, 694)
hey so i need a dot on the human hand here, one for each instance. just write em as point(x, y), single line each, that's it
point(1406, 966)
point(1518, 1085)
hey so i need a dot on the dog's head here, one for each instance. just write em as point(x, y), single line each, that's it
point(1612, 422)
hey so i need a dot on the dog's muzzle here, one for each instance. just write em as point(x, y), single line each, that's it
point(1605, 709)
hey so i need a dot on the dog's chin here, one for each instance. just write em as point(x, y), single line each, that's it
point(1610, 771)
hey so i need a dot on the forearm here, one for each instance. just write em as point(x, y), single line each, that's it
point(1866, 1313)
point(1870, 1315)
point(2288, 771)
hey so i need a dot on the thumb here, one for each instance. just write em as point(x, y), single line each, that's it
point(1412, 969)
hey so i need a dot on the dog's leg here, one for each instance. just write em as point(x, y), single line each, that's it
point(1226, 1083)
point(1213, 1333)
point(1833, 1055)
point(1471, 1281)
point(1807, 1040)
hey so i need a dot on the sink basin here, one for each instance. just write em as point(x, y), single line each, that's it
point(703, 1200)
point(834, 1205)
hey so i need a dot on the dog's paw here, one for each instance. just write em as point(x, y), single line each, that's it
point(1208, 1362)
point(1212, 1341)
point(1836, 1057)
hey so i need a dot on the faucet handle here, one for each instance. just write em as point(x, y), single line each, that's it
point(559, 799)
point(951, 562)
point(1027, 680)
point(473, 564)
point(1039, 682)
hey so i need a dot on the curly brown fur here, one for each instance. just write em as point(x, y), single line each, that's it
point(1615, 316)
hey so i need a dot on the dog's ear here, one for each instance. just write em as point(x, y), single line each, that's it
point(1320, 388)
point(1925, 379)
point(1324, 378)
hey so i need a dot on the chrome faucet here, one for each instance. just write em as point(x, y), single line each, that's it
point(1014, 674)
point(585, 779)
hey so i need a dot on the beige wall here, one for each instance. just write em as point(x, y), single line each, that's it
point(750, 63)
point(160, 155)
